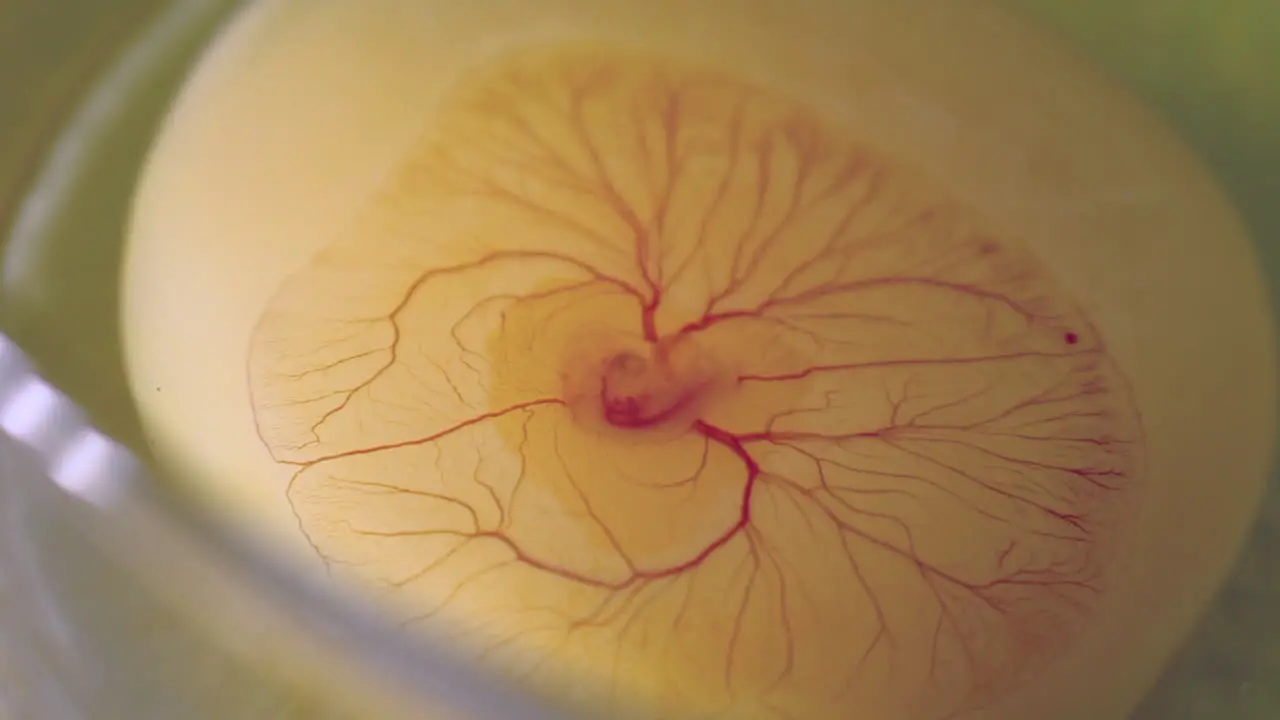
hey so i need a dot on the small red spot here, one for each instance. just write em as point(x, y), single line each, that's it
point(1071, 338)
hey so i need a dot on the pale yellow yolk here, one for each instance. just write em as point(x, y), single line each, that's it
point(654, 378)
point(889, 378)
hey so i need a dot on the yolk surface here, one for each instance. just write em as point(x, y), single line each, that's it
point(803, 359)
point(640, 370)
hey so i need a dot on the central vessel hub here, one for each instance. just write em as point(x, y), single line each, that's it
point(638, 392)
point(621, 382)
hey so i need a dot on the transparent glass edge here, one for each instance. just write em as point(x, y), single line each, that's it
point(150, 537)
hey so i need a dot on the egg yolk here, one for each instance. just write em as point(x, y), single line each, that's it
point(637, 366)
point(653, 379)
